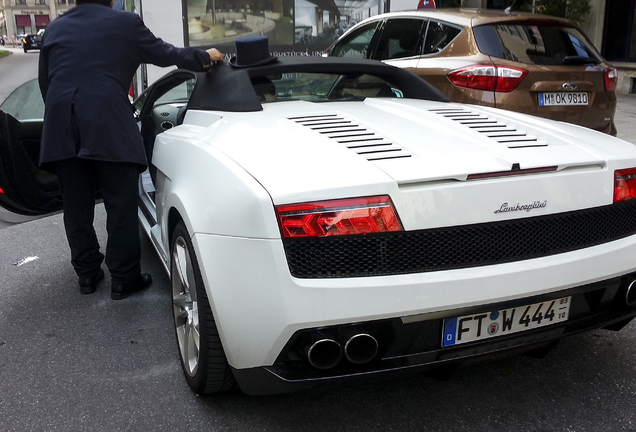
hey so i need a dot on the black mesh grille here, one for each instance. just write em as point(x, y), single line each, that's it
point(458, 247)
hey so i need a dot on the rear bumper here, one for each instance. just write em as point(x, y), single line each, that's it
point(410, 345)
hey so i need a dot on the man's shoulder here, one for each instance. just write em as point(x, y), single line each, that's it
point(121, 16)
point(100, 19)
point(96, 10)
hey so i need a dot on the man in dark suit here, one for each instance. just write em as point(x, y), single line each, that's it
point(90, 138)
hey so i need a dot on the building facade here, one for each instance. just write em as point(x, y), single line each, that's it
point(20, 17)
point(618, 44)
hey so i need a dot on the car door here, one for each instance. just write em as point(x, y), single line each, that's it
point(448, 47)
point(159, 109)
point(24, 188)
point(400, 42)
point(163, 106)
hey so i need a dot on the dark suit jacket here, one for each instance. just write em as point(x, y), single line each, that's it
point(87, 63)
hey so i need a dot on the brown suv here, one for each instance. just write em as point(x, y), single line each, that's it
point(522, 62)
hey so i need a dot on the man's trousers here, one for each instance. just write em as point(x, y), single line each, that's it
point(80, 180)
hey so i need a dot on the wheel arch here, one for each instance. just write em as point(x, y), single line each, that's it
point(174, 217)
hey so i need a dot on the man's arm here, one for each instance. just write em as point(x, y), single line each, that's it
point(160, 53)
point(215, 55)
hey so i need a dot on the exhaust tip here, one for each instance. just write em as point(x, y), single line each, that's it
point(361, 348)
point(324, 353)
point(630, 294)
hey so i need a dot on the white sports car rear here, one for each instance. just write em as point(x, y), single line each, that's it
point(327, 219)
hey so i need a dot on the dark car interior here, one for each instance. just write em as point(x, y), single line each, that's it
point(19, 148)
point(315, 79)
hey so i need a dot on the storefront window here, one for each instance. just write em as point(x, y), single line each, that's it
point(619, 41)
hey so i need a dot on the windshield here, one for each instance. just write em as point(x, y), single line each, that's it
point(319, 87)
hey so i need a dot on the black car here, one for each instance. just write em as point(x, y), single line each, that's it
point(32, 42)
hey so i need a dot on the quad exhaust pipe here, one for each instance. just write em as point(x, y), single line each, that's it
point(324, 352)
point(360, 347)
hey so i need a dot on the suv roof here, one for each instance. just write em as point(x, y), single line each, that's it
point(476, 17)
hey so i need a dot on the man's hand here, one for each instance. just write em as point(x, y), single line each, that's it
point(215, 55)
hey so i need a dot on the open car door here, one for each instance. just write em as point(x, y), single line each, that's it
point(27, 190)
point(24, 188)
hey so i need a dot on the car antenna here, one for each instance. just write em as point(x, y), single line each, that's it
point(509, 8)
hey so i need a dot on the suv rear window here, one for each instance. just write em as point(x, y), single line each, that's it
point(536, 44)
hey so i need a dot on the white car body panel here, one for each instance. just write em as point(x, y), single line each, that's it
point(258, 308)
point(264, 159)
point(202, 165)
point(294, 164)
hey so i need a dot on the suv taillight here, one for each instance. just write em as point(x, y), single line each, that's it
point(488, 77)
point(338, 217)
point(611, 78)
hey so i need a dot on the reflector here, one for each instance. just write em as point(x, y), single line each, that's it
point(611, 79)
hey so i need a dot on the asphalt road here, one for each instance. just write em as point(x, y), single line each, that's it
point(70, 362)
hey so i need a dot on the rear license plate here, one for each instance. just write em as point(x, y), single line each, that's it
point(470, 328)
point(563, 99)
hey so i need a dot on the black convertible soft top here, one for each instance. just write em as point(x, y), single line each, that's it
point(224, 88)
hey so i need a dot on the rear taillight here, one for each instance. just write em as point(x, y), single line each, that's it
point(624, 184)
point(488, 77)
point(611, 78)
point(338, 217)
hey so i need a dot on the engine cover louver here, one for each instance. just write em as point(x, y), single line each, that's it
point(354, 136)
point(494, 129)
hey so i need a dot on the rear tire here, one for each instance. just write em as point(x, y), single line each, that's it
point(202, 356)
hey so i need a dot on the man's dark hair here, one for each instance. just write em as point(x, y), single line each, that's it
point(102, 2)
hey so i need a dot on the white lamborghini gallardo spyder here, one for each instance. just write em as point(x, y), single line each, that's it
point(326, 220)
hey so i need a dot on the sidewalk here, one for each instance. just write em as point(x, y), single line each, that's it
point(626, 117)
